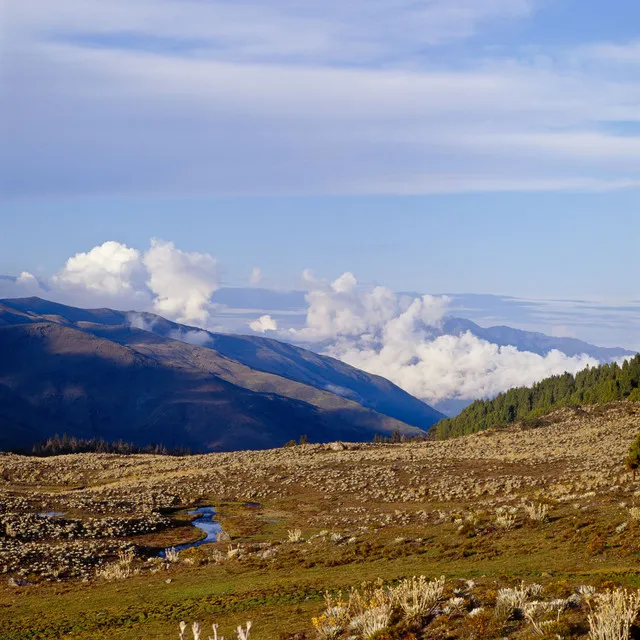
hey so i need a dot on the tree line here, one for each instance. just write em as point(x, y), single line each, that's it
point(58, 445)
point(594, 385)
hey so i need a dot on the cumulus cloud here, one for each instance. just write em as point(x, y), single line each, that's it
point(263, 324)
point(22, 286)
point(182, 282)
point(398, 336)
point(340, 309)
point(462, 367)
point(110, 273)
point(174, 283)
point(106, 268)
point(401, 338)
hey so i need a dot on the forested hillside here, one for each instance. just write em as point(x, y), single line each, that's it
point(606, 383)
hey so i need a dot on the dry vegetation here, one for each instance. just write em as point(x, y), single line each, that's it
point(535, 531)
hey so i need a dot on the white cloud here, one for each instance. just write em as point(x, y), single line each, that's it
point(109, 268)
point(334, 31)
point(455, 366)
point(138, 320)
point(399, 338)
point(182, 282)
point(263, 324)
point(341, 93)
point(175, 284)
point(346, 283)
point(195, 337)
point(22, 286)
point(372, 328)
point(341, 309)
point(29, 284)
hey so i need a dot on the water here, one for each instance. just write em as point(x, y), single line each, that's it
point(206, 523)
point(51, 514)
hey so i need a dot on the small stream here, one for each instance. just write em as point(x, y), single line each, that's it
point(206, 523)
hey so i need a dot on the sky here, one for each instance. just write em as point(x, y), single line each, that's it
point(154, 151)
point(441, 145)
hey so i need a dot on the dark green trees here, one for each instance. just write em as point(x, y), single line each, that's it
point(595, 385)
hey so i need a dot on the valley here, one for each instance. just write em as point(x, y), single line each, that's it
point(549, 505)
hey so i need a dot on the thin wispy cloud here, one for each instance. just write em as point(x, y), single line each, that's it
point(355, 32)
point(168, 97)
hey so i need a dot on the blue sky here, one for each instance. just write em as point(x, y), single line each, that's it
point(536, 245)
point(444, 145)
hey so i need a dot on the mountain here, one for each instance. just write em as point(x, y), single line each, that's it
point(140, 378)
point(290, 307)
point(597, 385)
point(532, 341)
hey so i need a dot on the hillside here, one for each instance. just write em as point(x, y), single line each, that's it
point(544, 518)
point(90, 373)
point(262, 354)
point(596, 385)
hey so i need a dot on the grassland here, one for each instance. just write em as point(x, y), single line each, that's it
point(461, 508)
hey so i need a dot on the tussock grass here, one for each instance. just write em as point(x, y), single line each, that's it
point(451, 508)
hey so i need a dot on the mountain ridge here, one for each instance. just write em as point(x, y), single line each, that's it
point(195, 386)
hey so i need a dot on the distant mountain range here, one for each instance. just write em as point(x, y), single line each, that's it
point(250, 302)
point(240, 305)
point(532, 341)
point(141, 378)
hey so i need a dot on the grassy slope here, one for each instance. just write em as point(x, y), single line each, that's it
point(573, 465)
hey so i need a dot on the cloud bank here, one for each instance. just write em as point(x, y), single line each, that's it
point(399, 338)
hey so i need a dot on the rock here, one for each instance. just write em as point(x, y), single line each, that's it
point(223, 537)
point(337, 446)
point(18, 582)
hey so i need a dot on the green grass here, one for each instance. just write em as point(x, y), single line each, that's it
point(579, 545)
point(283, 598)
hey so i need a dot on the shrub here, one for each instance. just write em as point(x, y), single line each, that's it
point(294, 535)
point(120, 569)
point(505, 521)
point(536, 512)
point(171, 555)
point(511, 602)
point(615, 612)
point(242, 633)
point(417, 597)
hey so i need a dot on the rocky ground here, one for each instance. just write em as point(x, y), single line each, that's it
point(547, 513)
